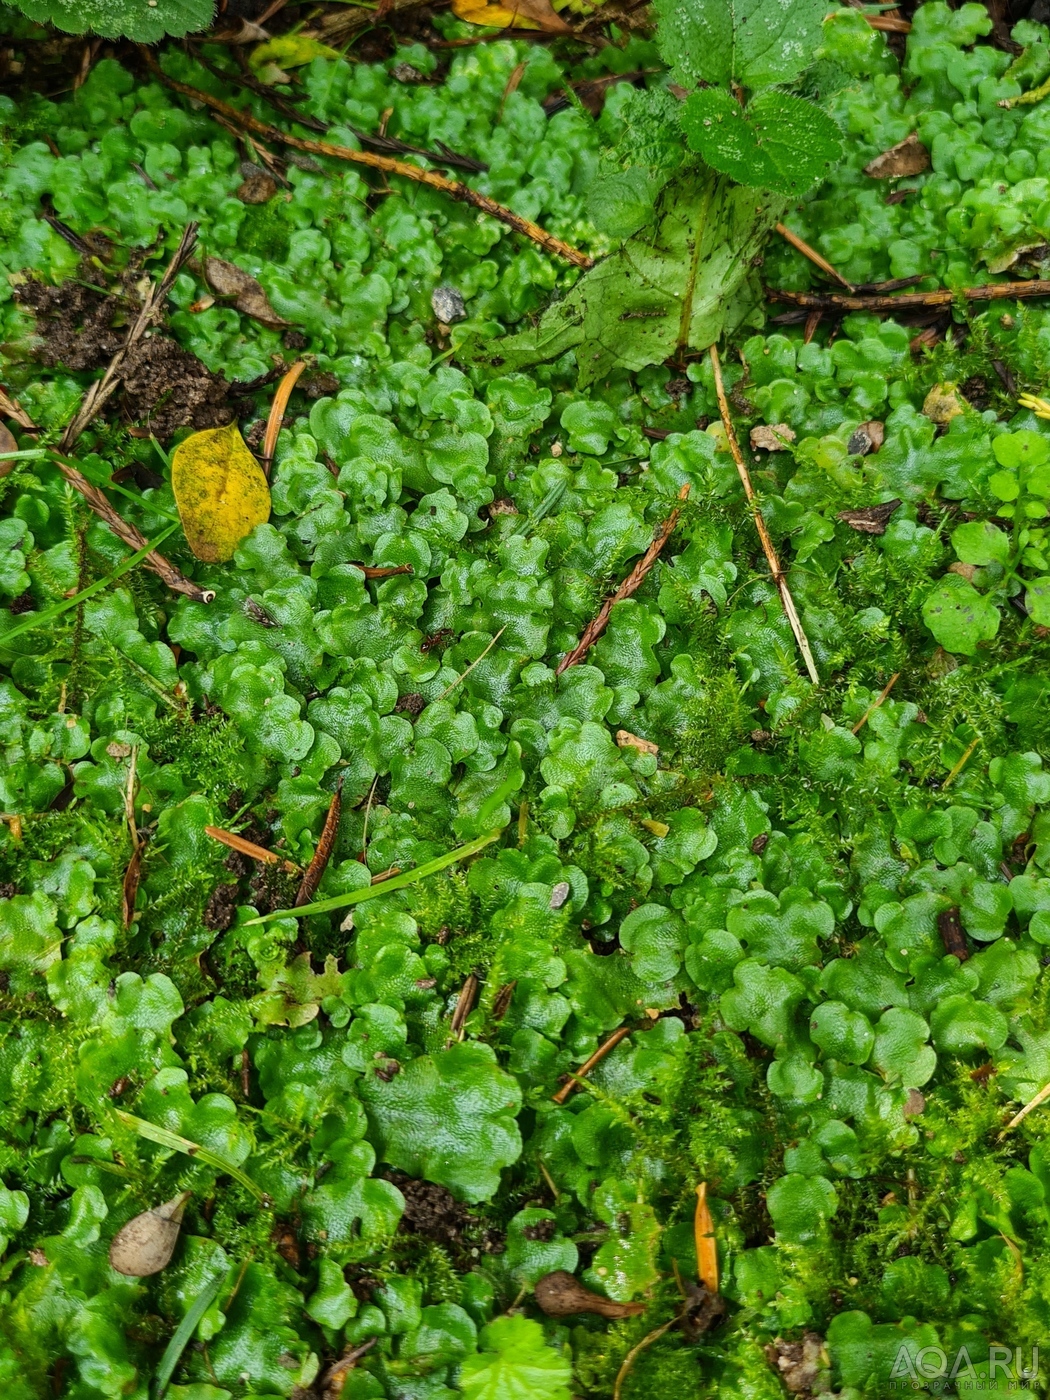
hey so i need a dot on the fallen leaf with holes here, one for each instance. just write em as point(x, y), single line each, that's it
point(228, 280)
point(773, 437)
point(517, 14)
point(872, 520)
point(942, 404)
point(220, 491)
point(907, 157)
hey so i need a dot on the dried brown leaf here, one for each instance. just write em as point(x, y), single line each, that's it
point(872, 520)
point(561, 1295)
point(907, 157)
point(226, 279)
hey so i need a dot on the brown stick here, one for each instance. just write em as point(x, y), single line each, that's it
point(596, 1059)
point(787, 602)
point(156, 561)
point(811, 253)
point(246, 848)
point(889, 24)
point(152, 306)
point(454, 188)
point(317, 867)
point(389, 571)
point(464, 1006)
point(335, 1377)
point(944, 296)
point(276, 418)
point(631, 584)
point(876, 703)
point(953, 936)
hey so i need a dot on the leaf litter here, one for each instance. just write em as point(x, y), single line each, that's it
point(759, 932)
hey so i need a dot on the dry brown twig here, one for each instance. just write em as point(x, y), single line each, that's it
point(276, 418)
point(876, 703)
point(248, 848)
point(596, 1059)
point(811, 253)
point(769, 549)
point(323, 854)
point(464, 1006)
point(456, 189)
point(631, 584)
point(944, 296)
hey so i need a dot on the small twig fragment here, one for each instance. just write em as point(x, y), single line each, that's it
point(464, 1006)
point(629, 1359)
point(630, 585)
point(317, 867)
point(247, 848)
point(811, 253)
point(876, 703)
point(953, 936)
point(335, 1377)
point(1034, 1102)
point(963, 761)
point(596, 1059)
point(276, 418)
point(944, 296)
point(779, 578)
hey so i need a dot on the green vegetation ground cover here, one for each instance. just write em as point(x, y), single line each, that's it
point(760, 900)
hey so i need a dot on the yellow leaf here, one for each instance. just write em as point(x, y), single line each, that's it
point(290, 51)
point(517, 14)
point(220, 491)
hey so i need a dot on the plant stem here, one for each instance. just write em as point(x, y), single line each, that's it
point(768, 547)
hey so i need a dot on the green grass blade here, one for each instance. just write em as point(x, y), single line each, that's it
point(49, 614)
point(182, 1335)
point(175, 1143)
point(396, 882)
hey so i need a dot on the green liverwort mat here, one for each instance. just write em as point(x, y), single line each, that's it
point(821, 913)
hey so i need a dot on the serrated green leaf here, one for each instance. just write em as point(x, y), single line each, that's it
point(958, 616)
point(778, 142)
point(140, 20)
point(751, 42)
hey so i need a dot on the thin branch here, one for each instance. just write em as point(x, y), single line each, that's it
point(454, 188)
point(596, 1059)
point(477, 660)
point(464, 1006)
point(317, 867)
point(133, 538)
point(960, 765)
point(276, 418)
point(151, 558)
point(811, 253)
point(335, 1377)
point(631, 584)
point(1034, 1102)
point(151, 308)
point(629, 1359)
point(876, 703)
point(779, 578)
point(944, 296)
point(246, 848)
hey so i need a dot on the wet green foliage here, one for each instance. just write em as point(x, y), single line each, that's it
point(762, 901)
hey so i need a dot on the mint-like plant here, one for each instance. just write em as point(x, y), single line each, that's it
point(703, 170)
point(145, 21)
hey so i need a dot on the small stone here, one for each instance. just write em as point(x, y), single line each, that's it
point(560, 893)
point(556, 449)
point(448, 303)
point(118, 750)
point(626, 740)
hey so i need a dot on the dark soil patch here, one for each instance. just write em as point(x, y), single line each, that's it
point(221, 909)
point(169, 388)
point(82, 324)
point(430, 1210)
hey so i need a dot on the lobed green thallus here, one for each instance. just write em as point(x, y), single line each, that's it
point(763, 900)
